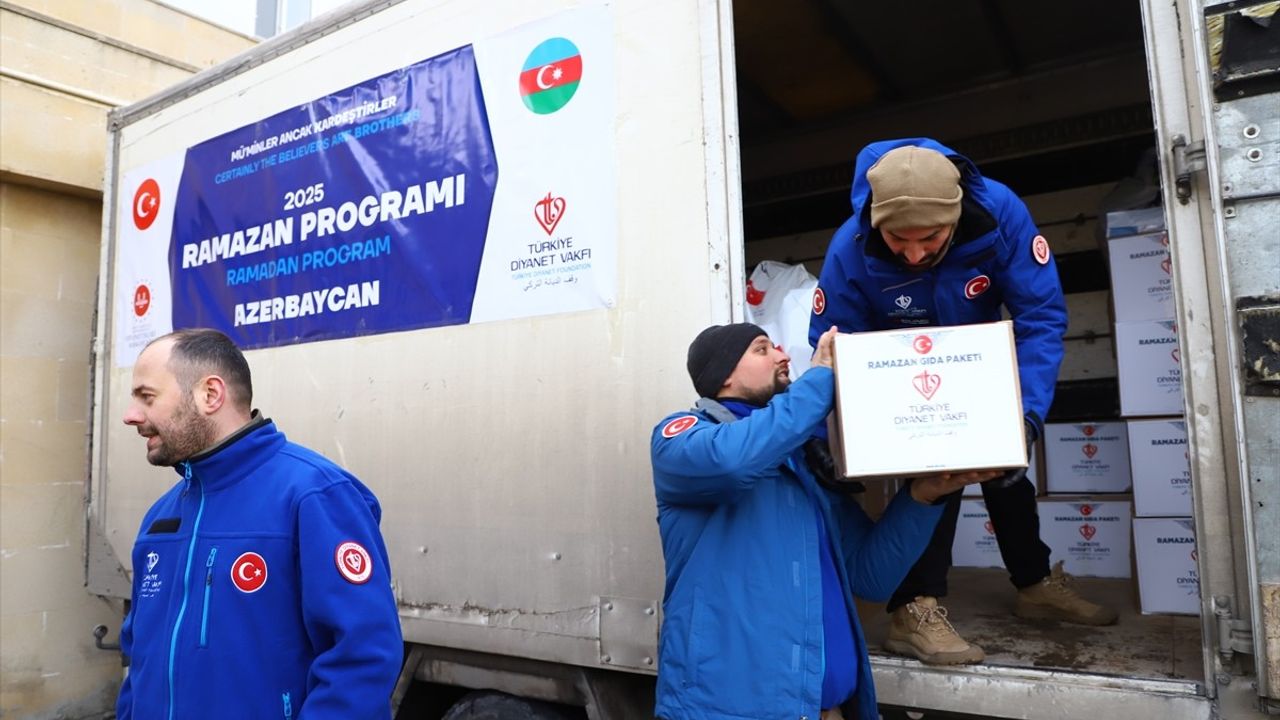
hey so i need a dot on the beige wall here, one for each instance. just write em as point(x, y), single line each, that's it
point(63, 65)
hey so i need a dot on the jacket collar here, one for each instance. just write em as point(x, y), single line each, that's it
point(237, 456)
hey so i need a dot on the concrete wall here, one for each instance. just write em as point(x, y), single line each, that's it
point(63, 65)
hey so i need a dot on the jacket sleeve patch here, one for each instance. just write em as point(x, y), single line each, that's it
point(1040, 250)
point(678, 425)
point(819, 301)
point(354, 563)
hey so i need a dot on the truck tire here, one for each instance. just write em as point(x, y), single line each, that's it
point(486, 705)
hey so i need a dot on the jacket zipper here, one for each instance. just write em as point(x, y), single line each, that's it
point(186, 584)
point(208, 589)
point(288, 707)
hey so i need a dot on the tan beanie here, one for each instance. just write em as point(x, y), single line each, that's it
point(914, 187)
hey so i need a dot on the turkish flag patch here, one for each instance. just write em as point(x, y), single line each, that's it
point(679, 425)
point(354, 563)
point(977, 286)
point(249, 572)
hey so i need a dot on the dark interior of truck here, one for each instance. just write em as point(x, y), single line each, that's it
point(1051, 99)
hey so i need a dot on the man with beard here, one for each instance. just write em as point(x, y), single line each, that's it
point(762, 561)
point(932, 243)
point(261, 586)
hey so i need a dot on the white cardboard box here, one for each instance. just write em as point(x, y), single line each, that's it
point(1083, 458)
point(1168, 580)
point(1142, 277)
point(1161, 468)
point(1033, 474)
point(1092, 538)
point(927, 400)
point(1150, 373)
point(975, 541)
point(1122, 223)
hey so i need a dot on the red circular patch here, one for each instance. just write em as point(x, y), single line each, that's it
point(922, 344)
point(1086, 509)
point(819, 301)
point(679, 425)
point(141, 300)
point(146, 204)
point(977, 286)
point(1040, 250)
point(754, 296)
point(354, 562)
point(249, 572)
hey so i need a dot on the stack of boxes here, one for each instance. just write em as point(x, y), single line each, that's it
point(1103, 484)
point(1151, 399)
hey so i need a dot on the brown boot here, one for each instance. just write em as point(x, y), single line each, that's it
point(920, 629)
point(1053, 599)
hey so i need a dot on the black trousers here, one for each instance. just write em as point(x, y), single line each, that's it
point(1017, 527)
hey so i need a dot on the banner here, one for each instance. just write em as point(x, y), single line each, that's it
point(384, 206)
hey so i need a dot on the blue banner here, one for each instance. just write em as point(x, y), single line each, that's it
point(362, 212)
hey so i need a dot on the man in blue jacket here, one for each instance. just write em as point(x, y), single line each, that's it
point(762, 561)
point(933, 242)
point(261, 587)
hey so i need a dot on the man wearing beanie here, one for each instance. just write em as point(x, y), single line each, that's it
point(762, 561)
point(933, 242)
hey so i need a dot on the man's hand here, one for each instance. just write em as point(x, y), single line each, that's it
point(927, 489)
point(824, 355)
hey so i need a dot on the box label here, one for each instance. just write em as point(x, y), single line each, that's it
point(1161, 464)
point(1091, 538)
point(1168, 576)
point(1086, 457)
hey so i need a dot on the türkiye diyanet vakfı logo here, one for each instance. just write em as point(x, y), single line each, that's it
point(550, 76)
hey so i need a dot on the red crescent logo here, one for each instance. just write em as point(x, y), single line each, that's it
point(354, 563)
point(146, 204)
point(977, 286)
point(819, 301)
point(1086, 510)
point(754, 296)
point(922, 344)
point(249, 572)
point(678, 425)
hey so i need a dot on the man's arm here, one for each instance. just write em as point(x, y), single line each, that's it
point(877, 555)
point(124, 702)
point(712, 463)
point(707, 464)
point(347, 606)
point(1033, 295)
point(841, 302)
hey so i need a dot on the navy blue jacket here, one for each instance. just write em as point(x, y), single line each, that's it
point(742, 611)
point(997, 258)
point(261, 589)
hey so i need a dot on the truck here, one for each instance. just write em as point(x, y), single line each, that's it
point(465, 249)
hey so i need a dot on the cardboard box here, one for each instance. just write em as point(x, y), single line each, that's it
point(1034, 474)
point(1084, 458)
point(1161, 468)
point(1150, 370)
point(1123, 223)
point(927, 400)
point(1168, 579)
point(975, 541)
point(1090, 536)
point(1142, 277)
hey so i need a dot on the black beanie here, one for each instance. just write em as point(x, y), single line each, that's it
point(715, 353)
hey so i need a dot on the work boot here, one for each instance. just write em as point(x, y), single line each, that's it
point(1053, 599)
point(920, 629)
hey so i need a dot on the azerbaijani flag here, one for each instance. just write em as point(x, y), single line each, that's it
point(550, 75)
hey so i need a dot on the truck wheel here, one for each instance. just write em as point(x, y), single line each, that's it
point(499, 706)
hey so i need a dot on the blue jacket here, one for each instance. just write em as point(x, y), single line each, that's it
point(742, 623)
point(261, 589)
point(864, 287)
